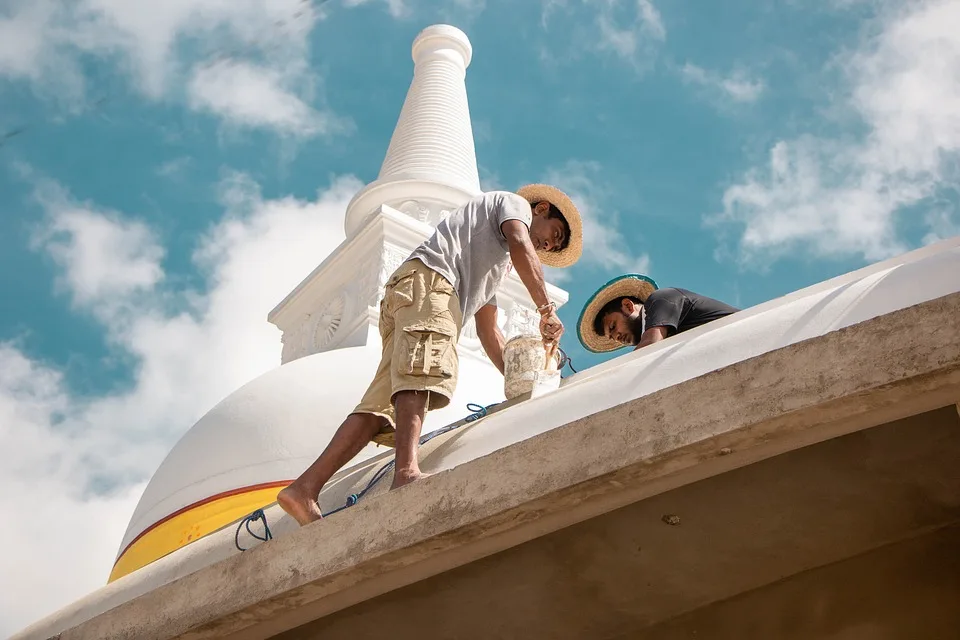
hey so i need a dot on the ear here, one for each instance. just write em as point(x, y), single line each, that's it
point(628, 307)
point(541, 209)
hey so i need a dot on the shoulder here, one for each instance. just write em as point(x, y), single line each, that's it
point(505, 205)
point(709, 304)
point(506, 199)
point(696, 297)
point(667, 293)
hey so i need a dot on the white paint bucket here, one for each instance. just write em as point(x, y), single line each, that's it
point(523, 359)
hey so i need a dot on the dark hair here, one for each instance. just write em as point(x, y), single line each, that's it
point(554, 214)
point(613, 306)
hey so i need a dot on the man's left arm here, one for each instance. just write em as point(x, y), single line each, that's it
point(664, 309)
point(489, 334)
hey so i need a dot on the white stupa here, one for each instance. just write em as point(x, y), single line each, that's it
point(239, 455)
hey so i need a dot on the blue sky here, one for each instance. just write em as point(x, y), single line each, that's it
point(172, 169)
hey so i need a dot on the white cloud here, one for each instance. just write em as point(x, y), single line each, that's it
point(603, 244)
point(453, 11)
point(157, 43)
point(104, 258)
point(253, 96)
point(174, 167)
point(21, 42)
point(943, 223)
point(633, 30)
point(81, 462)
point(738, 86)
point(26, 52)
point(397, 8)
point(489, 180)
point(843, 197)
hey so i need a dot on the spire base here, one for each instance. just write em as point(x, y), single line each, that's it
point(436, 197)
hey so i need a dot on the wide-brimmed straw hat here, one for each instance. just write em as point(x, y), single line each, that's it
point(566, 257)
point(631, 285)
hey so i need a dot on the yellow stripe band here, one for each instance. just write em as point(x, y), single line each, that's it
point(192, 523)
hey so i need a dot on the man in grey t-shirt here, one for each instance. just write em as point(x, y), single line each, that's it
point(449, 278)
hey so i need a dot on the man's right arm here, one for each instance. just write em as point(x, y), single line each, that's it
point(528, 268)
point(525, 260)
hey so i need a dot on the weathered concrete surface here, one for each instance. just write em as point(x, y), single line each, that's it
point(905, 591)
point(883, 369)
point(741, 532)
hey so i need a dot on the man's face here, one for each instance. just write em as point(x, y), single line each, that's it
point(546, 234)
point(624, 325)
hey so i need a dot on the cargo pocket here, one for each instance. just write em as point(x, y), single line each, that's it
point(428, 351)
point(399, 293)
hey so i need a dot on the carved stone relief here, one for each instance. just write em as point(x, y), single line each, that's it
point(390, 262)
point(294, 342)
point(521, 320)
point(324, 324)
point(416, 210)
point(430, 213)
point(364, 287)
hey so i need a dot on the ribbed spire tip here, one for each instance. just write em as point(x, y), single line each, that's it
point(442, 40)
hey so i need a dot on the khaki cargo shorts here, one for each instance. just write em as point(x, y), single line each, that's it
point(420, 323)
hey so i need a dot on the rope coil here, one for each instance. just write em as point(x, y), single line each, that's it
point(253, 517)
point(566, 361)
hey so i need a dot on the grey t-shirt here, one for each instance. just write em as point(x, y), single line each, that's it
point(469, 249)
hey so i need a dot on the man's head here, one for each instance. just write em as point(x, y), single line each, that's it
point(621, 320)
point(613, 316)
point(556, 230)
point(549, 231)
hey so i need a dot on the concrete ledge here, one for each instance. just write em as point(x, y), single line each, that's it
point(740, 535)
point(880, 370)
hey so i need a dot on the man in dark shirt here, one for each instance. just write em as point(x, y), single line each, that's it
point(632, 311)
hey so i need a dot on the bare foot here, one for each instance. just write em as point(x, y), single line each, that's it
point(301, 507)
point(401, 478)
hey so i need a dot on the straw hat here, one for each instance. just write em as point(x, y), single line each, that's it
point(534, 193)
point(633, 285)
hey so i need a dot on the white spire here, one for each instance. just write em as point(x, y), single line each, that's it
point(431, 158)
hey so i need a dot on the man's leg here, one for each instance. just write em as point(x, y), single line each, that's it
point(299, 499)
point(410, 407)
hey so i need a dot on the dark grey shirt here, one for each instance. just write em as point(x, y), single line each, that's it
point(679, 310)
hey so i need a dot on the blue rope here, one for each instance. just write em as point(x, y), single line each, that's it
point(565, 360)
point(253, 517)
point(477, 411)
point(354, 498)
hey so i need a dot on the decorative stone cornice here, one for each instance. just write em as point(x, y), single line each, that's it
point(337, 305)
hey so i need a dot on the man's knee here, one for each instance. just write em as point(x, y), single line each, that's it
point(411, 400)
